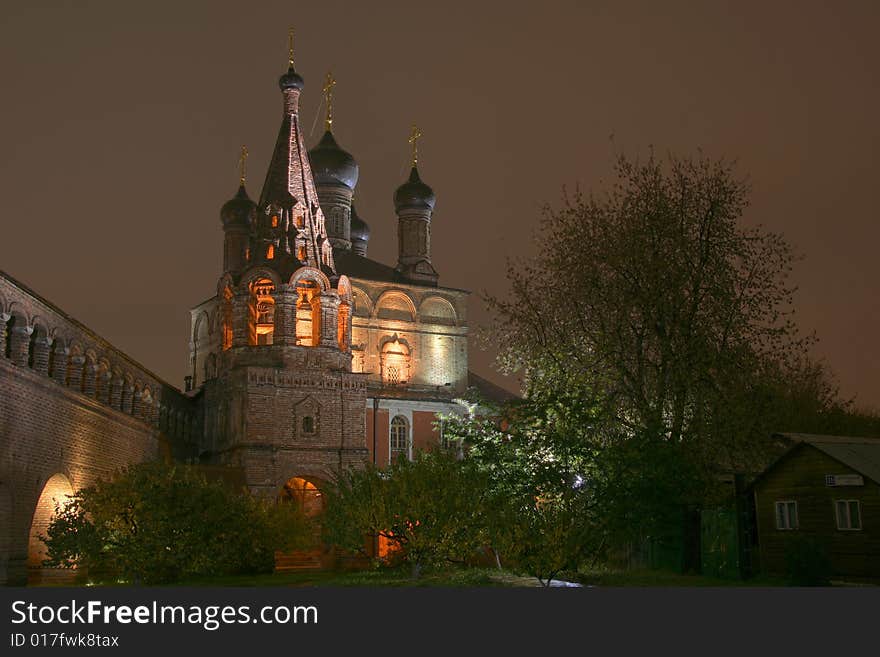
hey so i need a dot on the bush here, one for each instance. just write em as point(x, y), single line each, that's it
point(806, 563)
point(155, 524)
point(428, 510)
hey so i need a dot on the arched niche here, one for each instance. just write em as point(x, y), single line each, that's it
point(437, 310)
point(55, 492)
point(362, 306)
point(395, 361)
point(396, 305)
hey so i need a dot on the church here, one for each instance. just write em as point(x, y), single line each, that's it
point(308, 357)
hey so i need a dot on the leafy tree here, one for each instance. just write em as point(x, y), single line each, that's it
point(602, 490)
point(655, 337)
point(429, 509)
point(654, 301)
point(153, 523)
point(546, 536)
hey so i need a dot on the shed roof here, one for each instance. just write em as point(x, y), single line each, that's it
point(860, 454)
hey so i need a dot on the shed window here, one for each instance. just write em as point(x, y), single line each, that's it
point(848, 514)
point(786, 515)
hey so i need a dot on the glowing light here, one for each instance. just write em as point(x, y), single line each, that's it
point(261, 308)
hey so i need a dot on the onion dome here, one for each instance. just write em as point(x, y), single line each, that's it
point(359, 235)
point(414, 194)
point(291, 80)
point(331, 165)
point(360, 230)
point(239, 210)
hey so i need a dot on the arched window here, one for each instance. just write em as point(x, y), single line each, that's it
point(343, 325)
point(399, 440)
point(308, 313)
point(261, 311)
point(308, 425)
point(227, 318)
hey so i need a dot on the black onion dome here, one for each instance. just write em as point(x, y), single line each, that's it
point(414, 194)
point(238, 210)
point(331, 165)
point(291, 80)
point(360, 230)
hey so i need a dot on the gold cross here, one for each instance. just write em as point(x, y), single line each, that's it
point(414, 137)
point(242, 164)
point(290, 47)
point(329, 83)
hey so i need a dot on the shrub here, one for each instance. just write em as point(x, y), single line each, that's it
point(806, 563)
point(154, 524)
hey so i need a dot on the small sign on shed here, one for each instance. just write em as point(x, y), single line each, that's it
point(844, 480)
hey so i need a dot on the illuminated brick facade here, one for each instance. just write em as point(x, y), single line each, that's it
point(306, 336)
point(73, 409)
point(308, 357)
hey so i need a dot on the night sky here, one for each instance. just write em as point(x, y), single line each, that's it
point(122, 122)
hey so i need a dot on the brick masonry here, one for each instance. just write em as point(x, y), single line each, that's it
point(72, 410)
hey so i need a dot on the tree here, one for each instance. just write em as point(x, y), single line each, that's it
point(546, 536)
point(561, 490)
point(153, 523)
point(656, 301)
point(655, 336)
point(428, 509)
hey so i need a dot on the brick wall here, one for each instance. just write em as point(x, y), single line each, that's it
point(72, 410)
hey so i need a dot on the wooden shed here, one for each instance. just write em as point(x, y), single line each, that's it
point(825, 488)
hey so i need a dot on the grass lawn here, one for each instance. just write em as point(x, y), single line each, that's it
point(397, 577)
point(662, 578)
point(476, 577)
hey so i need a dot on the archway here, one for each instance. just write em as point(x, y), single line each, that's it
point(306, 493)
point(55, 492)
point(261, 312)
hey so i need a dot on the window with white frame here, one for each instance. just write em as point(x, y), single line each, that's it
point(786, 515)
point(399, 441)
point(448, 443)
point(849, 515)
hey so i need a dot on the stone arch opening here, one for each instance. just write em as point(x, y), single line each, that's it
point(55, 492)
point(38, 349)
point(261, 312)
point(305, 493)
point(226, 318)
point(308, 312)
point(343, 329)
point(201, 342)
